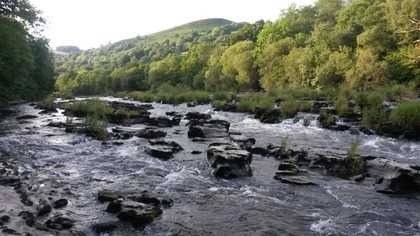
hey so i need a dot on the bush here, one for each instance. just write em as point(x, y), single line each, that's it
point(375, 100)
point(142, 96)
point(65, 95)
point(326, 119)
point(372, 117)
point(361, 100)
point(399, 92)
point(291, 107)
point(245, 105)
point(407, 115)
point(127, 113)
point(342, 105)
point(90, 107)
point(264, 102)
point(223, 96)
point(96, 126)
point(48, 103)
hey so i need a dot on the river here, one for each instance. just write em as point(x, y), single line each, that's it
point(203, 204)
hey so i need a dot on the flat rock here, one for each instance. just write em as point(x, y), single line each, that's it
point(228, 160)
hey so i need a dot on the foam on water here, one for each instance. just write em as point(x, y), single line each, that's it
point(324, 227)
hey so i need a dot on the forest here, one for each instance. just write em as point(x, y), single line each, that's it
point(26, 60)
point(364, 45)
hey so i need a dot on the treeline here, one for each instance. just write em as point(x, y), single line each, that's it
point(26, 63)
point(366, 45)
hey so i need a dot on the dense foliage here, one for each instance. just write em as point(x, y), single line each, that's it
point(26, 63)
point(363, 44)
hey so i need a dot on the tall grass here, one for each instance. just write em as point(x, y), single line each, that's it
point(294, 93)
point(91, 106)
point(290, 108)
point(407, 115)
point(400, 92)
point(373, 117)
point(96, 126)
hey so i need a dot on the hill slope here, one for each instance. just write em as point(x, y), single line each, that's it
point(200, 26)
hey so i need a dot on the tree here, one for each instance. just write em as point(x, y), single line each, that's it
point(26, 70)
point(270, 63)
point(368, 73)
point(333, 72)
point(299, 66)
point(238, 65)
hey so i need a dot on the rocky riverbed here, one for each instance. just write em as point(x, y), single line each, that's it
point(181, 170)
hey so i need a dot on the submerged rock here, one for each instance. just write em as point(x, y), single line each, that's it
point(228, 160)
point(162, 149)
point(105, 227)
point(290, 173)
point(139, 208)
point(150, 133)
point(59, 223)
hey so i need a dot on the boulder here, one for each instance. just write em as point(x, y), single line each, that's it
point(197, 116)
point(150, 133)
point(162, 149)
point(136, 207)
point(228, 160)
point(393, 177)
point(163, 121)
point(289, 173)
point(243, 141)
point(208, 129)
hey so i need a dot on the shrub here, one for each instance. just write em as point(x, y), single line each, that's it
point(264, 102)
point(354, 147)
point(65, 95)
point(89, 107)
point(372, 117)
point(96, 126)
point(375, 100)
point(142, 96)
point(326, 119)
point(291, 107)
point(245, 105)
point(361, 100)
point(223, 96)
point(218, 103)
point(342, 105)
point(48, 103)
point(399, 92)
point(407, 115)
point(127, 113)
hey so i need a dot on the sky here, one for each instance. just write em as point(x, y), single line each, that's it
point(92, 23)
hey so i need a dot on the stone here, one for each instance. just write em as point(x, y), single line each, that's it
point(208, 129)
point(229, 161)
point(44, 210)
point(162, 149)
point(60, 203)
point(243, 141)
point(393, 177)
point(59, 223)
point(136, 207)
point(105, 227)
point(150, 133)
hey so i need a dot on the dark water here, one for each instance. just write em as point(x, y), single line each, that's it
point(204, 205)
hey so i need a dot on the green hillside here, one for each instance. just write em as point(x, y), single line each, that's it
point(201, 27)
point(363, 45)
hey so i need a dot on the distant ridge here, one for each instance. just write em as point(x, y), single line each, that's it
point(199, 25)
